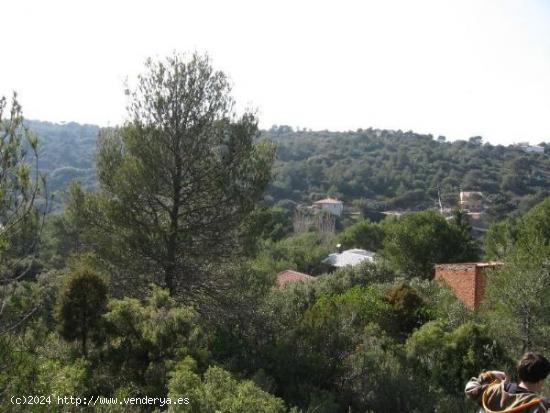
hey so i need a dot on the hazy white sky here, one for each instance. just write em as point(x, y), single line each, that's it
point(456, 68)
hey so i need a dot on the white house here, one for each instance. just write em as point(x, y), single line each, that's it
point(530, 148)
point(332, 205)
point(351, 257)
point(534, 149)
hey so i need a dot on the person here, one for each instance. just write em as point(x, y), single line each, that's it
point(494, 392)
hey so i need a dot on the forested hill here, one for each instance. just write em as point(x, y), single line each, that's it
point(66, 153)
point(384, 169)
point(379, 169)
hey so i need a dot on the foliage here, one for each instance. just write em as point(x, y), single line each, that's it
point(179, 179)
point(81, 305)
point(466, 247)
point(67, 154)
point(390, 169)
point(331, 325)
point(19, 219)
point(265, 223)
point(143, 339)
point(218, 391)
point(516, 298)
point(180, 203)
point(450, 358)
point(381, 381)
point(415, 242)
point(441, 304)
point(303, 252)
point(517, 304)
point(408, 309)
point(500, 239)
point(363, 234)
point(535, 225)
point(402, 170)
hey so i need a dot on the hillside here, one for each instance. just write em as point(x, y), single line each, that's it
point(66, 154)
point(180, 273)
point(373, 169)
point(382, 169)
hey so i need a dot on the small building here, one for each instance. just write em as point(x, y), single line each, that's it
point(526, 147)
point(471, 200)
point(396, 214)
point(467, 280)
point(287, 276)
point(533, 149)
point(351, 257)
point(332, 205)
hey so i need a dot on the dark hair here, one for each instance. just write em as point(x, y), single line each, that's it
point(533, 368)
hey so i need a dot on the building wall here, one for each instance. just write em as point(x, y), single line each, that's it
point(463, 280)
point(467, 280)
point(534, 149)
point(481, 284)
point(333, 208)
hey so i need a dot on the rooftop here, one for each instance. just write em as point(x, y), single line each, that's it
point(290, 276)
point(470, 264)
point(349, 257)
point(328, 201)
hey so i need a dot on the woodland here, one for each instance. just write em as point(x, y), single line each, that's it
point(141, 260)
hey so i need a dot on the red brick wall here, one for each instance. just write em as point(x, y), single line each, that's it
point(464, 280)
point(468, 280)
point(481, 282)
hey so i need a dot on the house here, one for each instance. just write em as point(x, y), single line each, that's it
point(351, 257)
point(396, 214)
point(332, 205)
point(471, 200)
point(526, 147)
point(467, 280)
point(287, 276)
point(533, 149)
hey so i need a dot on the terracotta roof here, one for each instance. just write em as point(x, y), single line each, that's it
point(328, 201)
point(290, 275)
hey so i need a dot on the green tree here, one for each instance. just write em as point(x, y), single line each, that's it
point(267, 224)
point(467, 247)
point(218, 391)
point(415, 242)
point(81, 305)
point(535, 224)
point(408, 309)
point(449, 358)
point(517, 299)
point(516, 303)
point(500, 239)
point(20, 221)
point(178, 180)
point(64, 233)
point(363, 234)
point(380, 381)
point(303, 252)
point(532, 229)
point(144, 338)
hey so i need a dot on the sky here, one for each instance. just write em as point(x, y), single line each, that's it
point(454, 68)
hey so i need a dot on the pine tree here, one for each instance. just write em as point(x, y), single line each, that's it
point(80, 306)
point(178, 181)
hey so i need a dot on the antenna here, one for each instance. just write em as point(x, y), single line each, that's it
point(439, 199)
